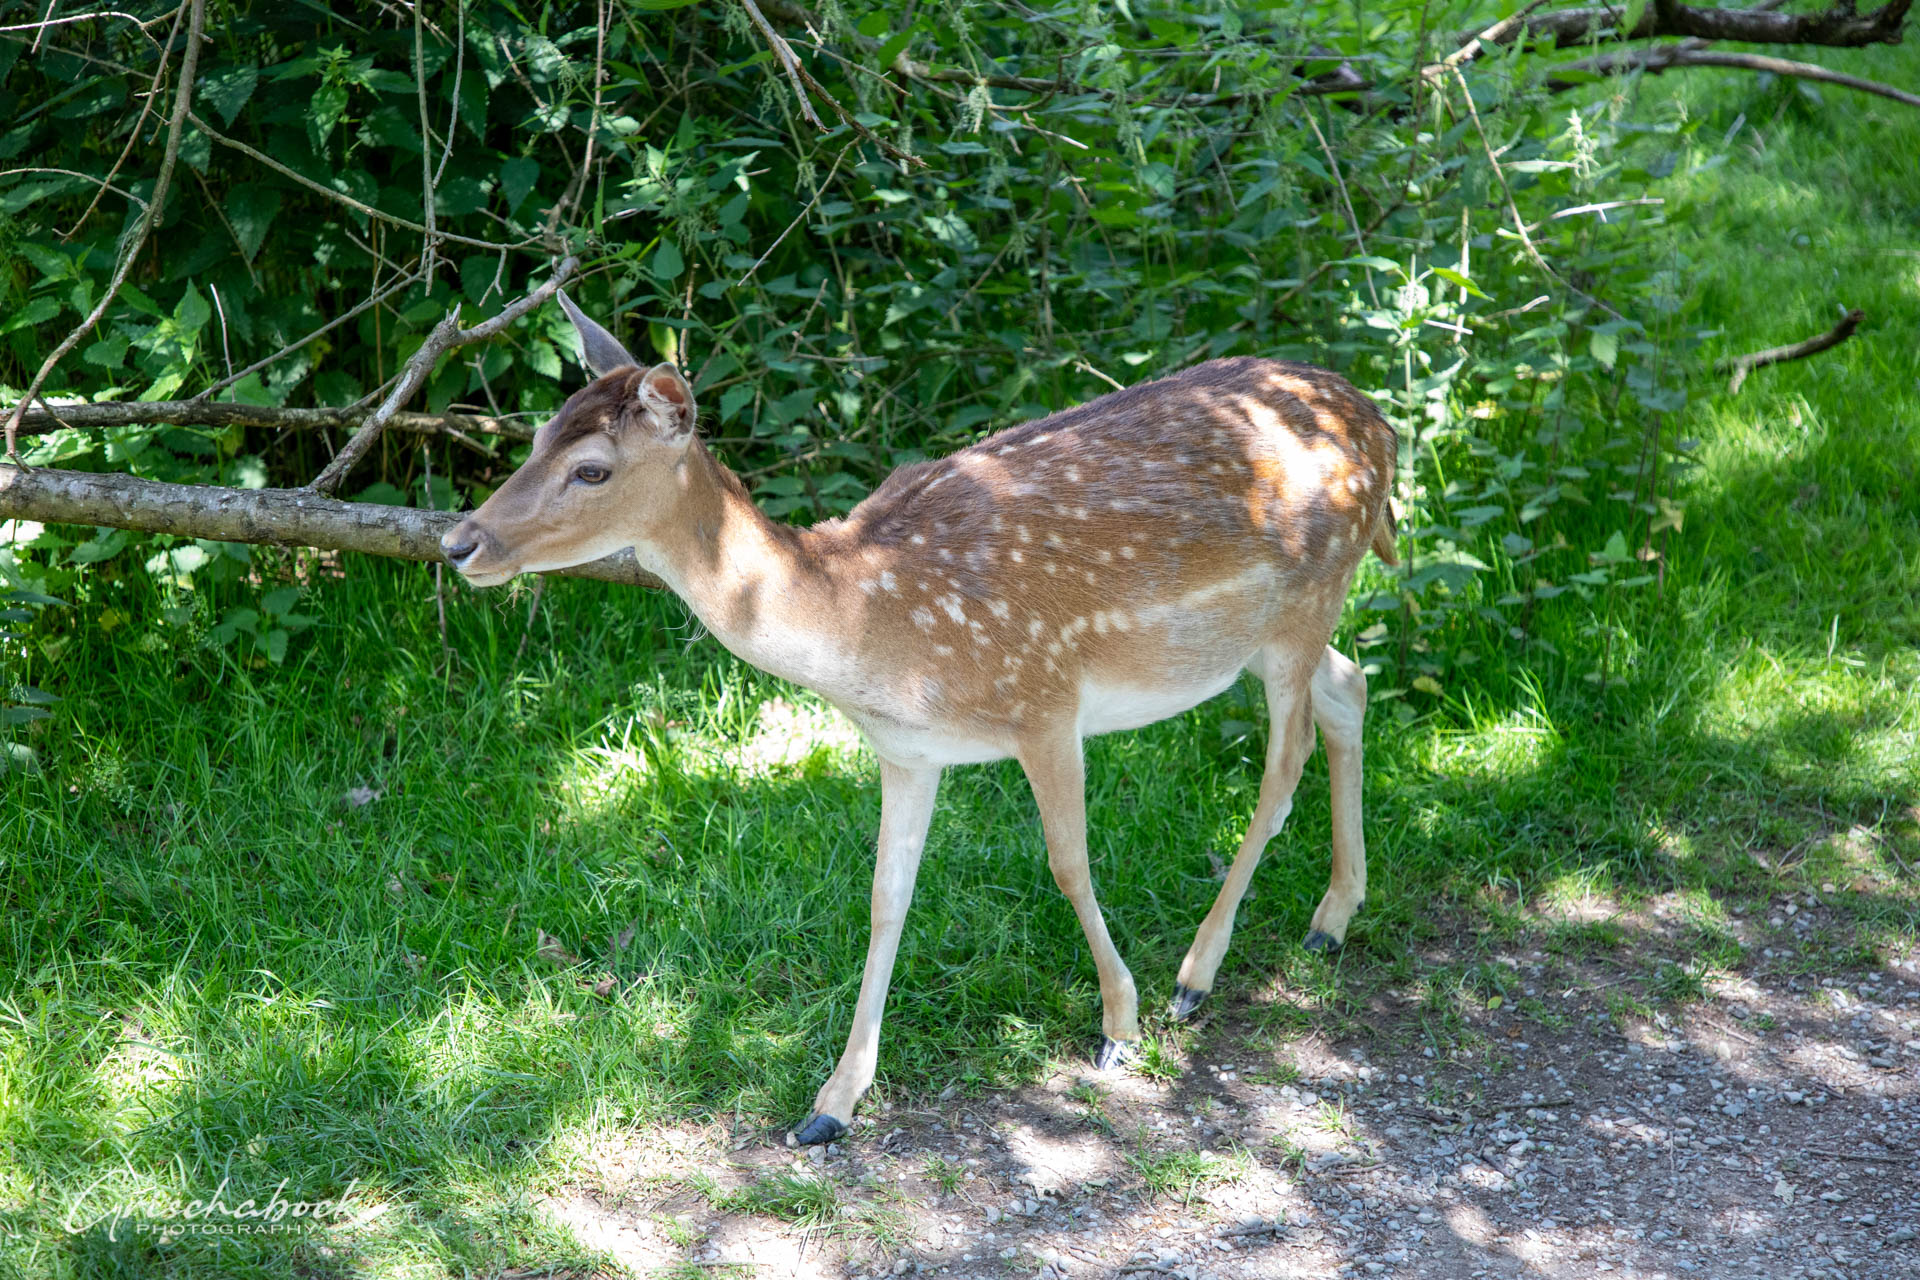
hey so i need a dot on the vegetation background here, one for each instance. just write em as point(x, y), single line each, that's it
point(316, 870)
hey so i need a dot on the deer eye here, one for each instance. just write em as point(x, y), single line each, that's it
point(591, 473)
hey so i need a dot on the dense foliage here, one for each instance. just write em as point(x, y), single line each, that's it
point(958, 249)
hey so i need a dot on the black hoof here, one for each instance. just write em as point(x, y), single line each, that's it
point(1114, 1053)
point(818, 1129)
point(1326, 942)
point(1185, 1001)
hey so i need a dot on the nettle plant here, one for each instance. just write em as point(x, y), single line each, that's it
point(1004, 210)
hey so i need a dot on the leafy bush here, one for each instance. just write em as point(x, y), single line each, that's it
point(1013, 210)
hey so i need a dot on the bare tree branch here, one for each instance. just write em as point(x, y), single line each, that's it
point(783, 54)
point(445, 336)
point(274, 517)
point(208, 413)
point(1667, 57)
point(1741, 366)
point(149, 218)
point(1842, 26)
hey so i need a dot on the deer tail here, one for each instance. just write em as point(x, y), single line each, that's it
point(1383, 535)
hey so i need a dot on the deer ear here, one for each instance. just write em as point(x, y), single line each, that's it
point(667, 402)
point(600, 351)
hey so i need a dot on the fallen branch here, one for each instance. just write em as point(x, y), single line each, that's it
point(1741, 366)
point(1655, 61)
point(1839, 27)
point(149, 218)
point(271, 517)
point(445, 336)
point(208, 413)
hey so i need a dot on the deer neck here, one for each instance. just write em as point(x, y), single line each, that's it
point(757, 585)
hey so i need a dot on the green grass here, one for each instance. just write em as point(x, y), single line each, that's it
point(218, 971)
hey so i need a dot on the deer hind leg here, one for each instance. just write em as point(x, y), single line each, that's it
point(1057, 773)
point(1289, 743)
point(906, 809)
point(1339, 707)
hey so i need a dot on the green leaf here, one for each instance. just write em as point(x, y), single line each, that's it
point(102, 546)
point(34, 312)
point(227, 90)
point(250, 208)
point(667, 262)
point(893, 48)
point(1454, 277)
point(328, 104)
point(193, 311)
point(1604, 347)
point(517, 177)
point(280, 600)
point(733, 399)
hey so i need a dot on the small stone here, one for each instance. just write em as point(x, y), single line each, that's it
point(993, 1213)
point(1832, 1197)
point(1899, 1235)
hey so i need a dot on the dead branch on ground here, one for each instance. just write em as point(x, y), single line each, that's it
point(1741, 366)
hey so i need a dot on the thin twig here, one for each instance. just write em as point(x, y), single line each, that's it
point(365, 210)
point(783, 53)
point(459, 66)
point(1346, 201)
point(1741, 366)
point(1519, 224)
point(133, 134)
point(445, 336)
point(220, 413)
point(374, 301)
point(75, 173)
point(1478, 44)
point(803, 82)
point(429, 246)
point(798, 218)
point(149, 218)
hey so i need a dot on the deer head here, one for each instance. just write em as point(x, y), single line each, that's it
point(602, 471)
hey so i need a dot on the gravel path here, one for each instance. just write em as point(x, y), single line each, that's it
point(1770, 1129)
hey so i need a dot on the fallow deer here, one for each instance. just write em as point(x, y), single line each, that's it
point(1103, 568)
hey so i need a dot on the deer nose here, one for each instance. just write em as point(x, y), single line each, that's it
point(459, 543)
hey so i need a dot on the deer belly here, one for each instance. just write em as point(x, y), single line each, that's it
point(1108, 708)
point(915, 745)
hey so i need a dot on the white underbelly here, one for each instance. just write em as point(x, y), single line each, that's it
point(917, 746)
point(1108, 708)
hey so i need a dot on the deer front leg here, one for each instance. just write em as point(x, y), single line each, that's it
point(1057, 775)
point(906, 807)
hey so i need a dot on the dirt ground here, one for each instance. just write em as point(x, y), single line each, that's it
point(1768, 1128)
